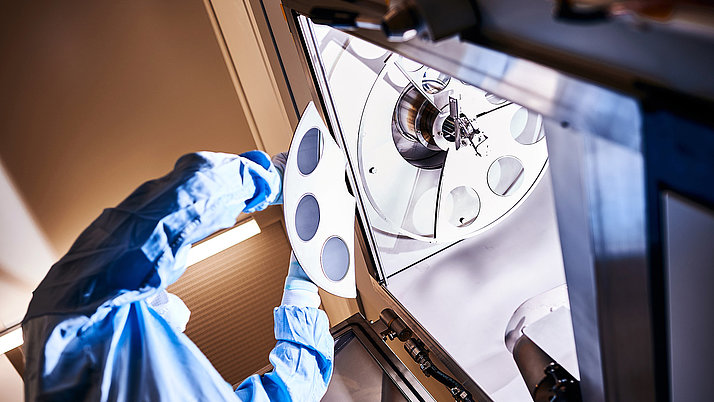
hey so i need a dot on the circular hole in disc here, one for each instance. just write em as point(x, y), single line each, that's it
point(526, 127)
point(335, 258)
point(494, 100)
point(307, 217)
point(505, 175)
point(434, 81)
point(408, 64)
point(309, 151)
point(464, 205)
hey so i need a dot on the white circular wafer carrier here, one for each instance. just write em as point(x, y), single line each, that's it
point(319, 210)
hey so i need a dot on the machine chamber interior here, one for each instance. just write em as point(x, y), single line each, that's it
point(455, 195)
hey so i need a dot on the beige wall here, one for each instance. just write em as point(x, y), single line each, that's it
point(10, 384)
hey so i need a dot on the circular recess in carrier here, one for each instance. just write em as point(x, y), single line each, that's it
point(494, 99)
point(465, 206)
point(335, 258)
point(526, 127)
point(309, 151)
point(505, 175)
point(415, 179)
point(307, 217)
point(434, 81)
point(409, 64)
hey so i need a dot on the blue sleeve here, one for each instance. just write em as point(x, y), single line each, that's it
point(302, 359)
point(89, 334)
point(141, 244)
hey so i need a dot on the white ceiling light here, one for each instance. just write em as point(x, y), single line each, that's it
point(10, 340)
point(215, 245)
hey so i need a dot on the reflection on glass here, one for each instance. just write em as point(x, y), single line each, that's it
point(335, 258)
point(309, 151)
point(357, 376)
point(307, 217)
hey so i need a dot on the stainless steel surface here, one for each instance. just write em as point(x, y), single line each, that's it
point(454, 115)
point(411, 144)
point(438, 20)
point(599, 185)
point(629, 51)
point(690, 277)
point(465, 295)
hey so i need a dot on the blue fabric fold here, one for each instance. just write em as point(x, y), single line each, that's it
point(89, 332)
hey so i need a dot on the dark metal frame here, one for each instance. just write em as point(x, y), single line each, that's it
point(678, 148)
point(385, 358)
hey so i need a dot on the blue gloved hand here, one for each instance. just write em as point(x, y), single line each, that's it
point(171, 307)
point(299, 289)
point(279, 161)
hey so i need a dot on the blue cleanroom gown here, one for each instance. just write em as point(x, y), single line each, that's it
point(90, 333)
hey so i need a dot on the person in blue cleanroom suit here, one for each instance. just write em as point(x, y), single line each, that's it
point(101, 327)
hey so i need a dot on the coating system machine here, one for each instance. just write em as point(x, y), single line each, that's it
point(533, 191)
